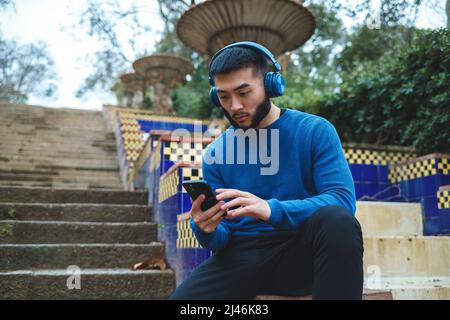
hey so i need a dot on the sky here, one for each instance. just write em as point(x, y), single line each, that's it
point(34, 20)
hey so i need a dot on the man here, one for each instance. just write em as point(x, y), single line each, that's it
point(290, 232)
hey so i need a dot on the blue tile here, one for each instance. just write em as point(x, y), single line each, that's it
point(202, 255)
point(444, 215)
point(370, 189)
point(415, 188)
point(404, 188)
point(188, 257)
point(443, 180)
point(383, 174)
point(431, 226)
point(356, 170)
point(186, 202)
point(430, 185)
point(387, 191)
point(430, 206)
point(359, 190)
point(166, 165)
point(370, 173)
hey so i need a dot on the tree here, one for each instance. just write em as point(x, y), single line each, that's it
point(6, 3)
point(403, 98)
point(25, 70)
point(120, 31)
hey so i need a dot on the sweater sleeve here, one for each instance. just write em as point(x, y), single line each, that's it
point(220, 237)
point(331, 176)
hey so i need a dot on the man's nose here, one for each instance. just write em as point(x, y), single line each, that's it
point(236, 105)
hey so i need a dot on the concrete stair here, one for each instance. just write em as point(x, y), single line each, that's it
point(95, 284)
point(104, 233)
point(62, 205)
point(399, 262)
point(60, 148)
point(396, 255)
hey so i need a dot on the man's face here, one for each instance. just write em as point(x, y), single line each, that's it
point(243, 98)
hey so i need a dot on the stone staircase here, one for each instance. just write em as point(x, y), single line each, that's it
point(61, 148)
point(62, 207)
point(396, 255)
point(102, 232)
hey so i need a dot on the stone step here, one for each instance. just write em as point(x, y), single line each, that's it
point(52, 170)
point(367, 295)
point(55, 147)
point(60, 185)
point(52, 124)
point(19, 134)
point(407, 256)
point(29, 232)
point(60, 164)
point(98, 177)
point(85, 256)
point(15, 139)
point(63, 184)
point(29, 132)
point(55, 158)
point(48, 195)
point(397, 288)
point(75, 212)
point(413, 288)
point(389, 218)
point(13, 128)
point(61, 152)
point(94, 284)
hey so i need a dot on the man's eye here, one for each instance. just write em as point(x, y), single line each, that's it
point(243, 94)
point(223, 97)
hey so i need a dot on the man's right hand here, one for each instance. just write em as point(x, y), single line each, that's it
point(208, 220)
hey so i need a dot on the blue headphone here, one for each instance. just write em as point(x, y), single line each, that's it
point(273, 81)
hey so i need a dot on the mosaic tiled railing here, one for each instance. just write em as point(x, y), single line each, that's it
point(139, 177)
point(369, 166)
point(443, 196)
point(149, 120)
point(169, 150)
point(419, 180)
point(182, 249)
point(132, 128)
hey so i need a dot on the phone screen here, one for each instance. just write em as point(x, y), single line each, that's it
point(198, 187)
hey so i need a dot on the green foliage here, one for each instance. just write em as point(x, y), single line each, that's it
point(25, 69)
point(11, 213)
point(311, 70)
point(6, 231)
point(403, 98)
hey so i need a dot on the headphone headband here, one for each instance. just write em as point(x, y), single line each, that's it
point(247, 44)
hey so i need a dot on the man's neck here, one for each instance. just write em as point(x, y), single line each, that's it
point(271, 117)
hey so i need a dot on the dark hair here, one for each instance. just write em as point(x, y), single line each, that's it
point(236, 58)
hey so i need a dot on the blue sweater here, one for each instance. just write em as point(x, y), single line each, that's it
point(312, 173)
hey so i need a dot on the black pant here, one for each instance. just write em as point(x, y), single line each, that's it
point(323, 258)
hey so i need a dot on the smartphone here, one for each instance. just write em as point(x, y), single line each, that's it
point(198, 187)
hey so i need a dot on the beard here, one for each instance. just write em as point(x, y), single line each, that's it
point(261, 112)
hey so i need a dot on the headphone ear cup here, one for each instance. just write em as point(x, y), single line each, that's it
point(214, 97)
point(274, 84)
point(268, 84)
point(278, 84)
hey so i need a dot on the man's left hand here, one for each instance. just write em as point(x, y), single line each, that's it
point(250, 205)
